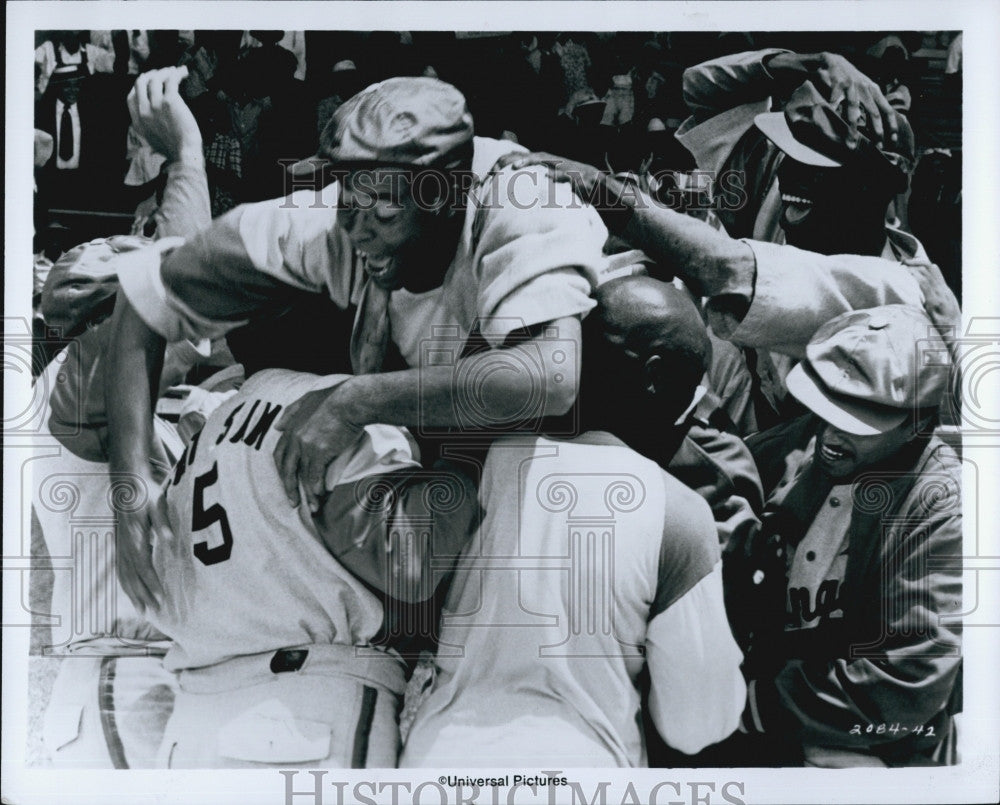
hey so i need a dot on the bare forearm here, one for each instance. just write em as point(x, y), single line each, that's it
point(709, 261)
point(131, 378)
point(502, 386)
point(438, 397)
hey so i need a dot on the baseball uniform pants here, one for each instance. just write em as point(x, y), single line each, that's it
point(326, 706)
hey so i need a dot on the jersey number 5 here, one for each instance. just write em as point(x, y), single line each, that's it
point(202, 518)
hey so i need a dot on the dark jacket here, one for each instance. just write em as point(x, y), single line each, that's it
point(894, 659)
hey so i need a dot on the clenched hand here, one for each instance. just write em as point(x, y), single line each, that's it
point(314, 431)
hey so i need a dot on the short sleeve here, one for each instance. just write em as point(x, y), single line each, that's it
point(537, 253)
point(690, 546)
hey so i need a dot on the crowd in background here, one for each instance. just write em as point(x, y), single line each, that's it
point(756, 361)
point(608, 99)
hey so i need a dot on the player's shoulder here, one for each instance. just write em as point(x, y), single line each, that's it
point(511, 203)
point(286, 385)
point(689, 512)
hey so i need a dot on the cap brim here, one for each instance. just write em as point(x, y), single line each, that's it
point(775, 128)
point(309, 167)
point(842, 412)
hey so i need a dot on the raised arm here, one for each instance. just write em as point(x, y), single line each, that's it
point(718, 85)
point(160, 116)
point(135, 360)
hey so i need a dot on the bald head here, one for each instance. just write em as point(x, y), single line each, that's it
point(650, 337)
point(649, 315)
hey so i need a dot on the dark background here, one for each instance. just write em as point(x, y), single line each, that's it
point(503, 93)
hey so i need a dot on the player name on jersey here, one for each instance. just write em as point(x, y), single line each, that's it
point(261, 419)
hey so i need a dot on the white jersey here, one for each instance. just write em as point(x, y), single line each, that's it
point(76, 501)
point(246, 573)
point(547, 623)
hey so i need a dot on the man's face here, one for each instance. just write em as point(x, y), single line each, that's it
point(69, 93)
point(379, 214)
point(612, 371)
point(841, 455)
point(829, 210)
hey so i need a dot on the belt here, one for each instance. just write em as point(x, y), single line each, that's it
point(360, 664)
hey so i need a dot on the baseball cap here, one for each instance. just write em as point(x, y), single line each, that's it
point(865, 371)
point(82, 280)
point(410, 121)
point(811, 130)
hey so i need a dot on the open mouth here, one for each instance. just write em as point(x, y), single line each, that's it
point(832, 454)
point(376, 266)
point(796, 208)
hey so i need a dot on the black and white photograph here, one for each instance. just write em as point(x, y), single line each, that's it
point(501, 403)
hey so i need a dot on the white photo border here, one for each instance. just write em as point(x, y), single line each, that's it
point(975, 780)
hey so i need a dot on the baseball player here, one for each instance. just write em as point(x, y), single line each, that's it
point(273, 611)
point(111, 697)
point(593, 567)
point(849, 595)
point(423, 258)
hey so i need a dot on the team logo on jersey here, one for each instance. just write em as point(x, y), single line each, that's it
point(805, 611)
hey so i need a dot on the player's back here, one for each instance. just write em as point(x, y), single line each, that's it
point(246, 572)
point(544, 630)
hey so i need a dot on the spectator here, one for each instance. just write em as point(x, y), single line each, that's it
point(345, 82)
point(61, 114)
point(889, 65)
point(87, 118)
point(68, 48)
